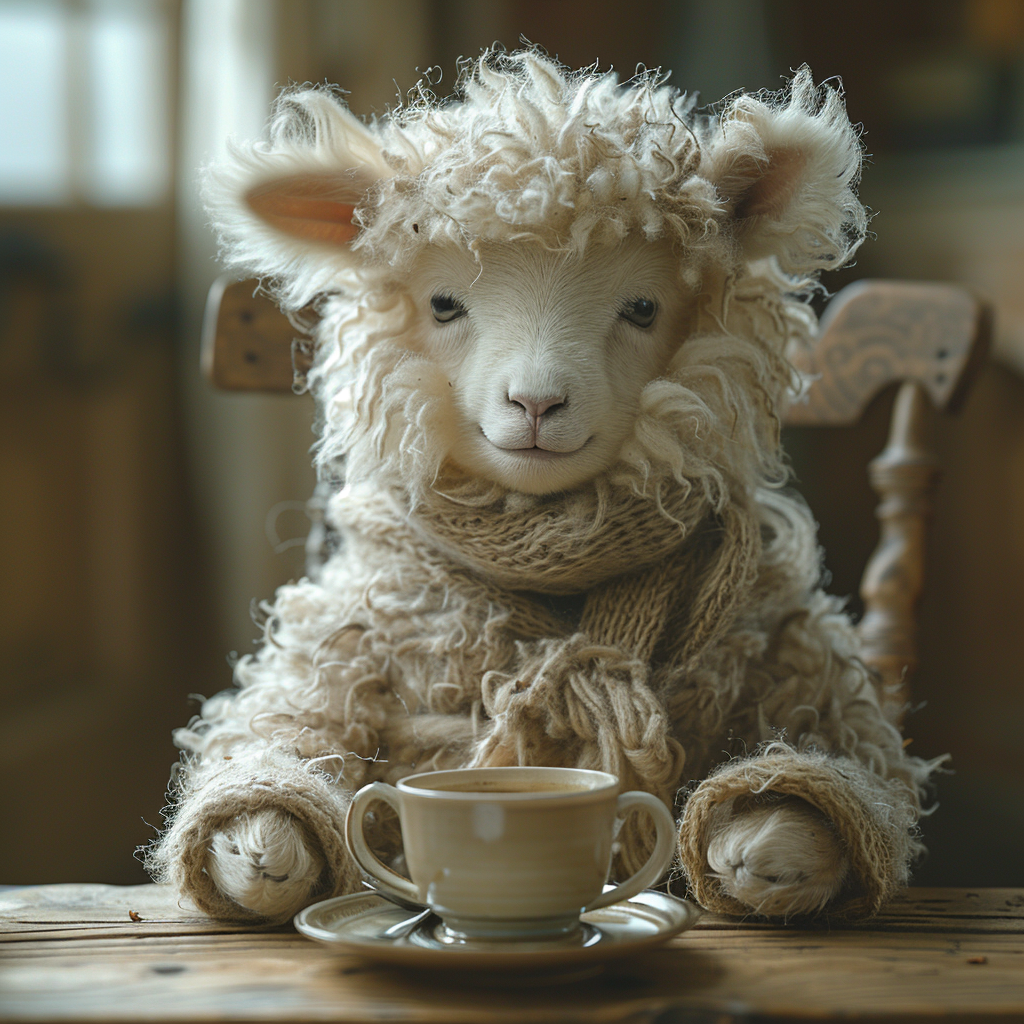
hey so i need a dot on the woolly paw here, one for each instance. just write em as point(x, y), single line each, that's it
point(262, 862)
point(780, 858)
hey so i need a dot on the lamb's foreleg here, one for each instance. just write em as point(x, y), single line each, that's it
point(256, 835)
point(779, 858)
point(262, 861)
point(823, 817)
point(745, 825)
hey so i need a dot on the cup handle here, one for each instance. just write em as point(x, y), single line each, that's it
point(660, 858)
point(390, 880)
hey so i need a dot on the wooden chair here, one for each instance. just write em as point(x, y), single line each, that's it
point(928, 339)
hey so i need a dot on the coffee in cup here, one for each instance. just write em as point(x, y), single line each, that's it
point(507, 853)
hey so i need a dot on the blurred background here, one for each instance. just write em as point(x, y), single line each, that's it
point(141, 512)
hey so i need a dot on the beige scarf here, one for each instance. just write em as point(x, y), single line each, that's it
point(662, 580)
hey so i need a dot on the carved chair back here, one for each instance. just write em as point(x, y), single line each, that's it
point(926, 338)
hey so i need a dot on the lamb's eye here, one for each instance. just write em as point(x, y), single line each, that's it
point(446, 308)
point(639, 311)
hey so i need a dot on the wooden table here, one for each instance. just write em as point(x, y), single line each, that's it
point(77, 953)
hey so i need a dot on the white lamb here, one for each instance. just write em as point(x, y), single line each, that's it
point(550, 370)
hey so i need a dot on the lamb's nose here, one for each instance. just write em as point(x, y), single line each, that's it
point(537, 407)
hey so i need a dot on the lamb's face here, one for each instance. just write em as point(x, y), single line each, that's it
point(547, 354)
point(528, 367)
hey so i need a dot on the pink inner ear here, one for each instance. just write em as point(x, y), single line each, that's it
point(317, 208)
point(774, 188)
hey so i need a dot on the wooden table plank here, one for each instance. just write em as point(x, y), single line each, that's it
point(172, 967)
point(919, 909)
point(270, 977)
point(90, 910)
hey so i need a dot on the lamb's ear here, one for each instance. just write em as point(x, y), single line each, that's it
point(284, 208)
point(313, 207)
point(786, 167)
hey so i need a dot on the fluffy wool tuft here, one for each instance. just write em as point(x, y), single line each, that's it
point(526, 150)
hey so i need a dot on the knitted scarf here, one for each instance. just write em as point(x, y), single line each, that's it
point(660, 581)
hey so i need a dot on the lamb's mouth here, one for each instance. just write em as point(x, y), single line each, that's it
point(536, 452)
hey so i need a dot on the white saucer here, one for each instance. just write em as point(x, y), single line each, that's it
point(354, 925)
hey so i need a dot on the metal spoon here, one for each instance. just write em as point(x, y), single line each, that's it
point(401, 929)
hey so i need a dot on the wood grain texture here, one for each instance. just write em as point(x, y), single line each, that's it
point(878, 333)
point(950, 954)
point(248, 344)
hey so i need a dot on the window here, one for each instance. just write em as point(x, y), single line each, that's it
point(85, 102)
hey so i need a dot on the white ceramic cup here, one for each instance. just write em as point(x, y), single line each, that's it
point(505, 853)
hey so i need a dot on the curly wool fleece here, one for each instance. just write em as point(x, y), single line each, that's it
point(693, 625)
